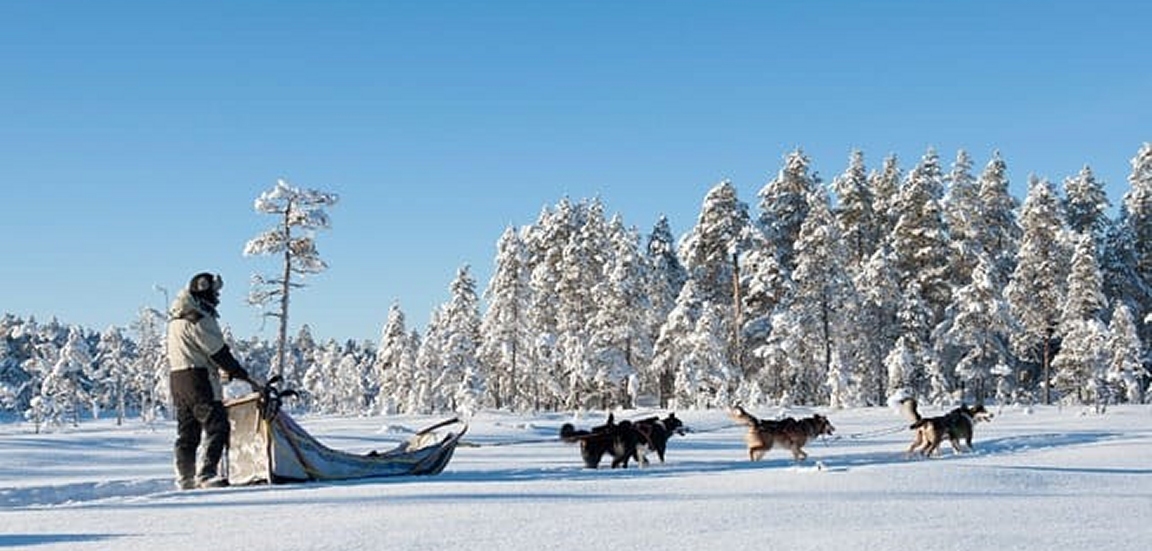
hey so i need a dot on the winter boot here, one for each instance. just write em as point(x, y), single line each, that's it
point(185, 469)
point(214, 482)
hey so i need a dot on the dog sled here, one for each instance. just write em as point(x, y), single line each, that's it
point(268, 446)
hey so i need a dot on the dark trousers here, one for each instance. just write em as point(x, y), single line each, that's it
point(197, 413)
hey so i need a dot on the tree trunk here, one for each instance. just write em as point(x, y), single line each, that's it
point(282, 344)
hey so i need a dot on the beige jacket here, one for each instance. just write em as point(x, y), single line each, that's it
point(194, 336)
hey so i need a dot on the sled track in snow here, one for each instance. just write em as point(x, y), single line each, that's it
point(834, 456)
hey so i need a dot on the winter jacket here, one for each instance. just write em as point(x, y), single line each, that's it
point(195, 341)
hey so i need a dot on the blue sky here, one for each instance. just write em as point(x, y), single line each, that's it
point(136, 135)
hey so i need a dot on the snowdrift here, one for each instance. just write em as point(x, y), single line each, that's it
point(268, 446)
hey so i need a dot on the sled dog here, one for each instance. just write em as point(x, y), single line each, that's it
point(619, 440)
point(788, 432)
point(655, 432)
point(930, 432)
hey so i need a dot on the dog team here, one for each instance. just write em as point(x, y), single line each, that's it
point(627, 440)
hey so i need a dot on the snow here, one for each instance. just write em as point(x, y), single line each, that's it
point(1040, 478)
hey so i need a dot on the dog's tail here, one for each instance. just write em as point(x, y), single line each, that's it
point(908, 407)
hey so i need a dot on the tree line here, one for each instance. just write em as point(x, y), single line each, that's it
point(933, 280)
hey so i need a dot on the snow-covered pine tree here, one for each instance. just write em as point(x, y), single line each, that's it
point(1035, 292)
point(300, 214)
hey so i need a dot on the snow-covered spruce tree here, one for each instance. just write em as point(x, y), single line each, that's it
point(1037, 286)
point(42, 344)
point(855, 211)
point(389, 355)
point(545, 241)
point(1122, 284)
point(111, 367)
point(961, 206)
point(146, 380)
point(411, 385)
point(978, 325)
point(618, 335)
point(703, 376)
point(505, 332)
point(823, 301)
point(1136, 217)
point(584, 257)
point(665, 277)
point(460, 383)
point(14, 391)
point(320, 380)
point(351, 381)
point(1125, 373)
point(300, 214)
point(672, 343)
point(885, 184)
point(999, 233)
point(879, 292)
point(920, 242)
point(67, 386)
point(962, 209)
point(784, 206)
point(301, 353)
point(712, 251)
point(710, 248)
point(763, 288)
point(1086, 205)
point(1079, 369)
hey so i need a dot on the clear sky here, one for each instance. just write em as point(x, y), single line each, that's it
point(134, 136)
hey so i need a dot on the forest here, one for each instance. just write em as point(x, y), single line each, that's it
point(931, 280)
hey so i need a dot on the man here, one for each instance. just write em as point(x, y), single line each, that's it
point(196, 356)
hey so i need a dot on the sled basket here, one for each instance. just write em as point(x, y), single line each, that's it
point(268, 446)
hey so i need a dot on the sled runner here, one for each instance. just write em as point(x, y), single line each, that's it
point(268, 446)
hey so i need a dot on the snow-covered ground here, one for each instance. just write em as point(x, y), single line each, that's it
point(1046, 478)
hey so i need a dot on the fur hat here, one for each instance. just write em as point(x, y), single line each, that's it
point(206, 287)
point(205, 281)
